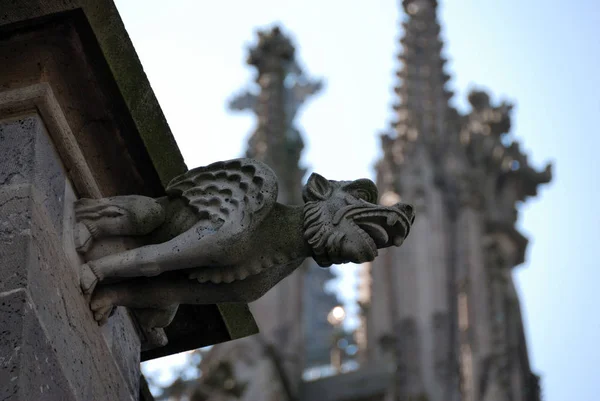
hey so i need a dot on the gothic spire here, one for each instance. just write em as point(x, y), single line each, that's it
point(423, 116)
point(466, 176)
point(423, 99)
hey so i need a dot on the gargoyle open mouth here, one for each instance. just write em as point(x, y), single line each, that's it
point(380, 226)
point(385, 228)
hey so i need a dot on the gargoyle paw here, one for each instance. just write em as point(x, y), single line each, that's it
point(101, 315)
point(103, 308)
point(83, 238)
point(88, 279)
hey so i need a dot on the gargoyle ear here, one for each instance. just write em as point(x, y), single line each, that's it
point(317, 188)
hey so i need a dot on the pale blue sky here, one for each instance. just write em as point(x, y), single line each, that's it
point(543, 55)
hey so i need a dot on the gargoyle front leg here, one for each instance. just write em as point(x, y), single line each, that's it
point(192, 248)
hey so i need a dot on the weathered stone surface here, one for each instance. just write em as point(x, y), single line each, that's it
point(14, 237)
point(124, 346)
point(61, 328)
point(30, 158)
point(29, 365)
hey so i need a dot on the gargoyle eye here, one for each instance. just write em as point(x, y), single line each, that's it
point(363, 189)
point(364, 195)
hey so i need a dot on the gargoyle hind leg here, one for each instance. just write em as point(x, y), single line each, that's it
point(189, 249)
point(148, 317)
point(148, 293)
point(162, 293)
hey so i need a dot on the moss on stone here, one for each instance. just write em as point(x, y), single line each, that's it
point(135, 88)
point(238, 319)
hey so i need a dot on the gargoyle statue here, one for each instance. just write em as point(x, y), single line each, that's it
point(220, 236)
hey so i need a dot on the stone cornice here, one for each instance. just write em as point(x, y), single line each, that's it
point(40, 99)
point(104, 26)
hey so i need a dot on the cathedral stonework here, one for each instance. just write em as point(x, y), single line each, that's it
point(465, 175)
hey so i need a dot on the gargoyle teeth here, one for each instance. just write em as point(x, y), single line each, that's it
point(398, 241)
point(228, 277)
point(242, 274)
point(255, 268)
point(216, 278)
point(391, 219)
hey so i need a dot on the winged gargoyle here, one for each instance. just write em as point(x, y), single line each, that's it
point(220, 236)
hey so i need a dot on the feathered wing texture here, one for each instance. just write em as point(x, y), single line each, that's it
point(241, 191)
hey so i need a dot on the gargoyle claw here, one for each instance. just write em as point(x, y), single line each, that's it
point(101, 315)
point(83, 238)
point(88, 279)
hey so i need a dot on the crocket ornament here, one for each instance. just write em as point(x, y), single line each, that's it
point(219, 235)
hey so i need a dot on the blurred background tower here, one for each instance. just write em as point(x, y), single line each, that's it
point(292, 316)
point(444, 306)
point(282, 89)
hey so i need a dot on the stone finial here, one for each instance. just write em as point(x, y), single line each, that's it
point(272, 51)
point(220, 236)
point(479, 100)
point(413, 7)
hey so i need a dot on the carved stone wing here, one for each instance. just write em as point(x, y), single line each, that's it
point(239, 191)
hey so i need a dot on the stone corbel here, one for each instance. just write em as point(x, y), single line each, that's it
point(219, 236)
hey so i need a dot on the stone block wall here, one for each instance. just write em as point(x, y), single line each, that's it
point(50, 346)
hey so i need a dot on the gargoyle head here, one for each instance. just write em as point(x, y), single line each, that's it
point(343, 223)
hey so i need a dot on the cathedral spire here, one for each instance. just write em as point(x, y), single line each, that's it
point(466, 174)
point(423, 114)
point(423, 99)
